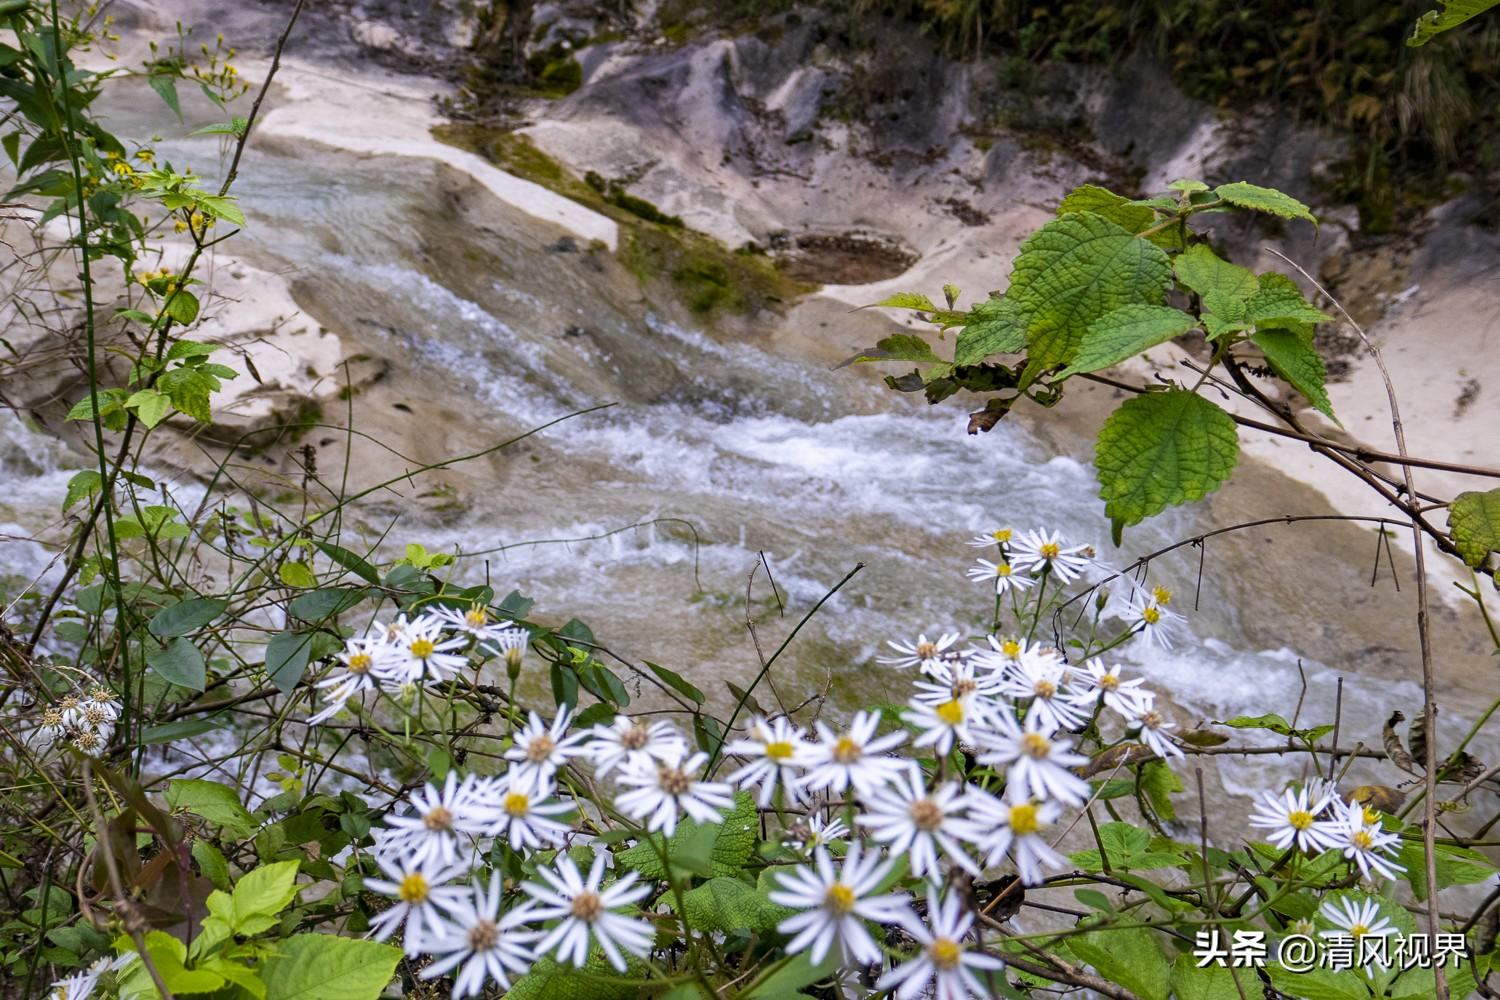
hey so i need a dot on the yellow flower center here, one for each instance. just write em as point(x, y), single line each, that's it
point(440, 818)
point(1359, 930)
point(359, 663)
point(840, 899)
point(587, 906)
point(1363, 840)
point(1023, 820)
point(52, 718)
point(635, 737)
point(413, 889)
point(1045, 689)
point(1109, 682)
point(1010, 648)
point(951, 712)
point(846, 751)
point(1162, 595)
point(673, 781)
point(422, 648)
point(484, 935)
point(476, 617)
point(1003, 569)
point(779, 751)
point(1151, 615)
point(517, 804)
point(945, 953)
point(1049, 551)
point(1003, 535)
point(1035, 745)
point(1300, 819)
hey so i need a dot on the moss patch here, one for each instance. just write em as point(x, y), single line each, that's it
point(704, 274)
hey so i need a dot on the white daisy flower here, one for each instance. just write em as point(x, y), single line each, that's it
point(1002, 655)
point(103, 699)
point(1292, 818)
point(443, 824)
point(625, 742)
point(774, 749)
point(814, 832)
point(1038, 550)
point(485, 942)
point(510, 645)
point(367, 663)
point(1017, 826)
point(925, 654)
point(943, 724)
point(1363, 841)
point(475, 620)
point(421, 892)
point(90, 742)
point(1128, 698)
point(1038, 761)
point(854, 757)
point(1157, 624)
point(919, 824)
point(1153, 732)
point(425, 655)
point(52, 726)
point(990, 539)
point(1041, 676)
point(588, 913)
point(835, 904)
point(544, 748)
point(945, 967)
point(1006, 576)
point(660, 793)
point(1356, 921)
point(524, 807)
point(71, 706)
point(78, 986)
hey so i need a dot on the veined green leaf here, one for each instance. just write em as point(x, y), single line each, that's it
point(1161, 449)
point(1299, 363)
point(1451, 15)
point(186, 617)
point(327, 967)
point(1278, 300)
point(1116, 208)
point(1474, 520)
point(1074, 270)
point(1126, 332)
point(180, 663)
point(994, 326)
point(1224, 287)
point(906, 300)
point(1264, 199)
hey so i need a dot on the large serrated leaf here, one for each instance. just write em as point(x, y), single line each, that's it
point(995, 326)
point(1126, 332)
point(1224, 287)
point(597, 980)
point(1278, 300)
point(1074, 270)
point(726, 904)
point(1102, 201)
point(1162, 449)
point(1264, 199)
point(1299, 364)
point(1474, 520)
point(326, 967)
point(1128, 956)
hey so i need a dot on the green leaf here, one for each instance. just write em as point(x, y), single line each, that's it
point(214, 802)
point(1278, 300)
point(169, 956)
point(677, 683)
point(549, 981)
point(297, 574)
point(1299, 364)
point(726, 904)
point(150, 406)
point(183, 349)
point(1161, 449)
point(265, 891)
point(1124, 333)
point(732, 842)
point(180, 663)
point(1128, 956)
point(320, 605)
point(1116, 208)
point(907, 300)
point(1317, 984)
point(224, 208)
point(1159, 782)
point(182, 305)
point(1474, 521)
point(351, 561)
point(166, 89)
point(795, 973)
point(1188, 186)
point(325, 967)
point(186, 617)
point(1073, 271)
point(994, 326)
point(287, 656)
point(212, 864)
point(183, 729)
point(1224, 287)
point(83, 484)
point(1213, 982)
point(235, 126)
point(905, 347)
point(1270, 721)
point(1452, 14)
point(1455, 866)
point(1264, 199)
